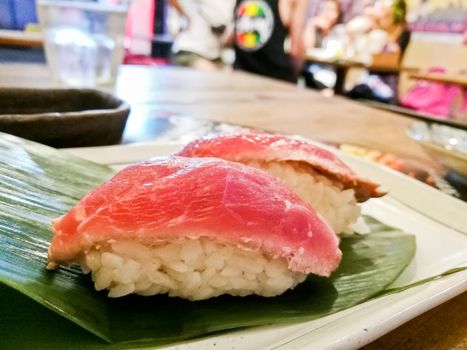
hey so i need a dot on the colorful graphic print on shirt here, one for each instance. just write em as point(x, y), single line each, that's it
point(254, 22)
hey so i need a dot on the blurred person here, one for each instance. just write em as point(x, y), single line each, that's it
point(381, 28)
point(363, 39)
point(320, 26)
point(200, 42)
point(364, 21)
point(390, 22)
point(260, 31)
point(322, 32)
point(391, 17)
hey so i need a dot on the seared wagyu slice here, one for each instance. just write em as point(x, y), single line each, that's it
point(318, 176)
point(194, 228)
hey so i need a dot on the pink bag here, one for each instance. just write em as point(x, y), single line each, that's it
point(433, 98)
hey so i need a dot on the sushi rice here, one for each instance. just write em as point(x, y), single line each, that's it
point(194, 269)
point(338, 206)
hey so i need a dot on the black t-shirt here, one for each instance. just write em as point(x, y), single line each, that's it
point(259, 40)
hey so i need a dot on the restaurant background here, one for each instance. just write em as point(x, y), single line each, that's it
point(429, 16)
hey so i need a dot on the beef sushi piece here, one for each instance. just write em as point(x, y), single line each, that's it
point(194, 228)
point(316, 175)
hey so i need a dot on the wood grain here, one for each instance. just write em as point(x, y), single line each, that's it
point(259, 102)
point(20, 38)
point(442, 328)
point(456, 79)
point(250, 101)
point(349, 63)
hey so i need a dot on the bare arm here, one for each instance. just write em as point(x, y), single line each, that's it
point(358, 25)
point(293, 13)
point(309, 36)
point(176, 5)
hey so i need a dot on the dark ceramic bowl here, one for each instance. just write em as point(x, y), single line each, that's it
point(63, 117)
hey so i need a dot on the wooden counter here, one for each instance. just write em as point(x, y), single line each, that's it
point(342, 66)
point(20, 38)
point(247, 100)
point(454, 79)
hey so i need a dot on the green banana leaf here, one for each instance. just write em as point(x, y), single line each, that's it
point(38, 183)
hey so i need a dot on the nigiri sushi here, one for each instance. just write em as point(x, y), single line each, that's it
point(316, 175)
point(194, 228)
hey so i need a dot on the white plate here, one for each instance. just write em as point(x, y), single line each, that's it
point(437, 220)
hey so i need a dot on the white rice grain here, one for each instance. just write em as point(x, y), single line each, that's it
point(189, 269)
point(121, 290)
point(337, 206)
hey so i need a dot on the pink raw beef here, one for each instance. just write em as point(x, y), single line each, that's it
point(175, 198)
point(246, 147)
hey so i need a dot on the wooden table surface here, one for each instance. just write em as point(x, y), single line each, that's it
point(342, 67)
point(349, 63)
point(247, 100)
point(276, 106)
point(20, 38)
point(448, 78)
